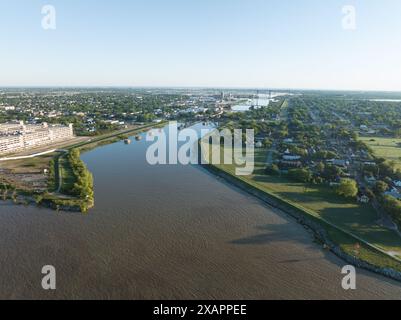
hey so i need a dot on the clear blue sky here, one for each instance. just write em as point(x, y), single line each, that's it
point(225, 43)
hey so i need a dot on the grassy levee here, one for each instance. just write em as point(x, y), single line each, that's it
point(343, 238)
point(66, 175)
point(387, 148)
point(378, 247)
point(74, 186)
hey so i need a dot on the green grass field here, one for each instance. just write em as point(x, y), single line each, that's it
point(321, 201)
point(31, 164)
point(388, 148)
point(67, 175)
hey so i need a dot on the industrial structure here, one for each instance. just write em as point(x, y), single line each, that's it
point(17, 136)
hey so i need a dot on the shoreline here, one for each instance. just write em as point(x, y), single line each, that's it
point(58, 203)
point(309, 222)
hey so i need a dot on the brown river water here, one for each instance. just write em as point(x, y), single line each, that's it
point(168, 232)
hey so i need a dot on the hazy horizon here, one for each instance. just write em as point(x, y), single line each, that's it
point(194, 88)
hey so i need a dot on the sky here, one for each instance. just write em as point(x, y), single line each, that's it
point(299, 44)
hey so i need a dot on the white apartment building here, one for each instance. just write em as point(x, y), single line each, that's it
point(15, 137)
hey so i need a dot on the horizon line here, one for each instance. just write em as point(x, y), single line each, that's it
point(189, 87)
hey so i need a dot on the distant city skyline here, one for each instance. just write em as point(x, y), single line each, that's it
point(271, 44)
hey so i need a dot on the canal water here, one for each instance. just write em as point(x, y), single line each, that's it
point(168, 232)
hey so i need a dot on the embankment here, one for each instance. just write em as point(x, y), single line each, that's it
point(322, 230)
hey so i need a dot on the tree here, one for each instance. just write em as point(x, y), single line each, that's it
point(272, 170)
point(380, 187)
point(298, 151)
point(318, 180)
point(301, 175)
point(393, 207)
point(320, 167)
point(386, 169)
point(331, 172)
point(267, 143)
point(370, 170)
point(348, 188)
point(83, 186)
point(369, 193)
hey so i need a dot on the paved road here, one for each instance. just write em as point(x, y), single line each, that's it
point(29, 156)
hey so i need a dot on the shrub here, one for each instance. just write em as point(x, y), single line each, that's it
point(347, 188)
point(272, 170)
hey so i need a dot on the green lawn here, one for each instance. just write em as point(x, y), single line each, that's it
point(30, 164)
point(67, 175)
point(388, 148)
point(322, 202)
